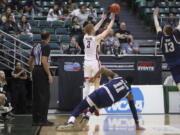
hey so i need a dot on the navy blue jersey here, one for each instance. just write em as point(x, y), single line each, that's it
point(117, 88)
point(170, 46)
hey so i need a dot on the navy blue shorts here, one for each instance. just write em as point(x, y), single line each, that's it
point(176, 73)
point(101, 98)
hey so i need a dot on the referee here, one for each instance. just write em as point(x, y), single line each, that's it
point(41, 75)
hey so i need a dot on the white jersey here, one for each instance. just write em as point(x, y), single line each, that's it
point(91, 48)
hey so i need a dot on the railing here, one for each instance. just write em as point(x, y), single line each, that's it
point(11, 51)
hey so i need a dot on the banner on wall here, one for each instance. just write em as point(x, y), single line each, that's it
point(144, 69)
point(147, 98)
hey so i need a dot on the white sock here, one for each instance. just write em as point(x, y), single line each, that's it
point(71, 119)
point(86, 89)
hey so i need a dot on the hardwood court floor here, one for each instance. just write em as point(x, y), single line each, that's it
point(121, 125)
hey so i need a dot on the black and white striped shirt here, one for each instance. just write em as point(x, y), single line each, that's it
point(41, 49)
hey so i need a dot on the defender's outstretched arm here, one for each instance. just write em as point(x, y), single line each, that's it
point(156, 22)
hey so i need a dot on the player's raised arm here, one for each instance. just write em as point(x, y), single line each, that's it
point(98, 25)
point(105, 33)
point(105, 71)
point(156, 22)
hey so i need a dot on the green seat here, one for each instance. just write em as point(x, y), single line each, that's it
point(46, 3)
point(36, 37)
point(9, 45)
point(62, 31)
point(164, 10)
point(54, 46)
point(45, 11)
point(142, 4)
point(54, 38)
point(44, 23)
point(36, 30)
point(9, 38)
point(34, 23)
point(95, 4)
point(67, 23)
point(38, 2)
point(173, 10)
point(148, 11)
point(51, 30)
point(99, 10)
point(51, 3)
point(64, 38)
point(57, 24)
point(171, 4)
point(177, 4)
point(23, 46)
point(25, 38)
point(163, 4)
point(178, 11)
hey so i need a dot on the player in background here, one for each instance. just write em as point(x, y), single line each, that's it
point(107, 95)
point(91, 58)
point(170, 45)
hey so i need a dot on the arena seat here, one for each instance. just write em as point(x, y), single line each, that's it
point(58, 24)
point(36, 37)
point(44, 23)
point(62, 31)
point(36, 30)
point(34, 23)
point(25, 38)
point(162, 4)
point(55, 38)
point(54, 46)
point(64, 38)
point(51, 30)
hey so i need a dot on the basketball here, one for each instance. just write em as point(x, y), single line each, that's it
point(115, 8)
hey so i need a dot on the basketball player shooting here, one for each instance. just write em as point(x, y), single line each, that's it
point(107, 95)
point(169, 43)
point(91, 58)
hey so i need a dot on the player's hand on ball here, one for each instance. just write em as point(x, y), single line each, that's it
point(156, 11)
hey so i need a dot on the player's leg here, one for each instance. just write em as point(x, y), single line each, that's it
point(176, 75)
point(87, 76)
point(78, 110)
point(96, 68)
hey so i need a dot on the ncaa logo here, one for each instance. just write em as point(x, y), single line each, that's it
point(123, 106)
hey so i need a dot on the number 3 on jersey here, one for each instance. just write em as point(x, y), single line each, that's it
point(88, 44)
point(169, 47)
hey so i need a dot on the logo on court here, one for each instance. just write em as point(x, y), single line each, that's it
point(72, 66)
point(123, 106)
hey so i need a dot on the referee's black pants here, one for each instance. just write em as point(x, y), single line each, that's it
point(41, 94)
